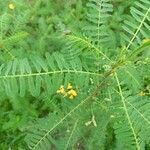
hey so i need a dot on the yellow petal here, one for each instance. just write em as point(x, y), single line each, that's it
point(69, 92)
point(62, 91)
point(72, 92)
point(11, 6)
point(142, 93)
point(58, 91)
point(71, 97)
point(61, 87)
point(69, 87)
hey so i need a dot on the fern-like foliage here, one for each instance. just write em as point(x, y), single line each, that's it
point(131, 113)
point(137, 27)
point(128, 106)
point(35, 74)
point(130, 110)
point(10, 35)
point(79, 45)
point(73, 131)
point(99, 12)
point(95, 34)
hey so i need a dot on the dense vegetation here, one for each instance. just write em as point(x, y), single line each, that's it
point(75, 74)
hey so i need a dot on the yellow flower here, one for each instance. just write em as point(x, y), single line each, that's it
point(72, 92)
point(69, 87)
point(11, 6)
point(69, 92)
point(61, 90)
point(71, 97)
point(142, 93)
